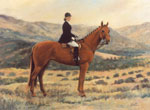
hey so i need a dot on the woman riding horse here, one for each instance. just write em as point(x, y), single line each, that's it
point(46, 51)
point(68, 37)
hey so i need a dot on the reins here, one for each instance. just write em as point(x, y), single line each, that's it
point(101, 44)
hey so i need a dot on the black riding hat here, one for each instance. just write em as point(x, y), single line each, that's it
point(67, 14)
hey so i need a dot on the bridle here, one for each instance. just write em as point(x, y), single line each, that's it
point(102, 42)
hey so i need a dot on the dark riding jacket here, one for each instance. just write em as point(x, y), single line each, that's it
point(66, 36)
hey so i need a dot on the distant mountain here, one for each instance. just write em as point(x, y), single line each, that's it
point(39, 29)
point(119, 42)
point(14, 53)
point(138, 33)
point(17, 38)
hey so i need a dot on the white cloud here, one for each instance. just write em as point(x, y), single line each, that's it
point(90, 12)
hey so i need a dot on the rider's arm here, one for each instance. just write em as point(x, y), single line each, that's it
point(72, 35)
point(67, 30)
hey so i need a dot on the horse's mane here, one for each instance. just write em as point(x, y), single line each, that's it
point(89, 34)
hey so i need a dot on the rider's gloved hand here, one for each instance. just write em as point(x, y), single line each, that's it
point(73, 38)
point(76, 36)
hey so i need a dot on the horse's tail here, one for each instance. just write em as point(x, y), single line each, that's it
point(31, 68)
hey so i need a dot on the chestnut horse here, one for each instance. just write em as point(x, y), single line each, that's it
point(45, 51)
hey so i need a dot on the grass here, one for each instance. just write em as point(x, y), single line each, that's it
point(7, 81)
point(103, 92)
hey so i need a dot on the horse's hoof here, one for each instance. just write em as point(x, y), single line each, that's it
point(44, 94)
point(82, 94)
point(34, 95)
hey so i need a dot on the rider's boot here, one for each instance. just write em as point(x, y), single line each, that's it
point(76, 55)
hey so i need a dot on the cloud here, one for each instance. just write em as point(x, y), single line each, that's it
point(91, 12)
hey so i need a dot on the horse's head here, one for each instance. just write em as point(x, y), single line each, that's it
point(104, 33)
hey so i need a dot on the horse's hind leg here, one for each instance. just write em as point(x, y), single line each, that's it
point(41, 82)
point(33, 78)
point(35, 82)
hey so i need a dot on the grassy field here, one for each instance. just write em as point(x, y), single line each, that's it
point(125, 89)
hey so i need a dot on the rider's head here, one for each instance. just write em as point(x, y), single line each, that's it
point(67, 16)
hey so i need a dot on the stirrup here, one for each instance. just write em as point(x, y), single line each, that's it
point(78, 58)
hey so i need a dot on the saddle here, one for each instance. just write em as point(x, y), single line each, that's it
point(74, 51)
point(65, 45)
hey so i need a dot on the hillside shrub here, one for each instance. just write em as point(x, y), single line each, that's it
point(76, 78)
point(2, 74)
point(102, 82)
point(6, 91)
point(88, 78)
point(120, 81)
point(107, 77)
point(129, 80)
point(145, 85)
point(21, 79)
point(50, 74)
point(68, 73)
point(64, 79)
point(131, 72)
point(145, 80)
point(74, 73)
point(116, 75)
point(148, 73)
point(12, 74)
point(139, 75)
point(6, 81)
point(96, 77)
point(60, 75)
point(123, 74)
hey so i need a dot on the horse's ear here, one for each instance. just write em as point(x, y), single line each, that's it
point(102, 23)
point(107, 24)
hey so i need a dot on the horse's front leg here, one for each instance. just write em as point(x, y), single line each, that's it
point(83, 70)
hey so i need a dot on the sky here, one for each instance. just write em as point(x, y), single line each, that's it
point(118, 13)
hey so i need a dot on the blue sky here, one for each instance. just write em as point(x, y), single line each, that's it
point(89, 12)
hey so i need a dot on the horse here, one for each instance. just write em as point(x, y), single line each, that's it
point(45, 51)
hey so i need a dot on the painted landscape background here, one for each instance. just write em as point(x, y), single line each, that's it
point(118, 77)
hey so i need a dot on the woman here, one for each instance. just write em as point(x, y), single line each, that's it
point(68, 37)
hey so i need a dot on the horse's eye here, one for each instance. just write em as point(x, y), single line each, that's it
point(103, 31)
